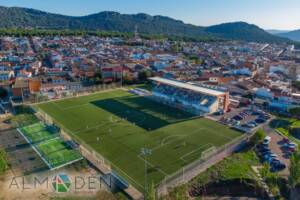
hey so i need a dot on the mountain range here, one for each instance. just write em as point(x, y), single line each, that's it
point(275, 31)
point(292, 35)
point(15, 17)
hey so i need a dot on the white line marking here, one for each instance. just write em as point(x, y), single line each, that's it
point(195, 150)
point(149, 163)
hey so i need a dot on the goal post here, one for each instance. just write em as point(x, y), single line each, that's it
point(208, 152)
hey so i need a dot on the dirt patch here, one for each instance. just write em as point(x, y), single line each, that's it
point(233, 188)
point(25, 187)
point(21, 157)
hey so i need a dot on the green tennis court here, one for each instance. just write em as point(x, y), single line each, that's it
point(46, 142)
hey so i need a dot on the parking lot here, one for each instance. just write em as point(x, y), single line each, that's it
point(277, 146)
point(276, 152)
point(245, 119)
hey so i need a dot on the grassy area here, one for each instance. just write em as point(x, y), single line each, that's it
point(23, 119)
point(237, 166)
point(3, 162)
point(285, 125)
point(24, 116)
point(118, 125)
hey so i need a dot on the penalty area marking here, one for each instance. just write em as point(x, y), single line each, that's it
point(170, 136)
point(195, 150)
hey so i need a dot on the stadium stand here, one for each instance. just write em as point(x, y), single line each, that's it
point(193, 98)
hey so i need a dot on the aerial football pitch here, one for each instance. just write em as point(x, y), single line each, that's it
point(118, 125)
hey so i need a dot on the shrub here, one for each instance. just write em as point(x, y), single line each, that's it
point(258, 136)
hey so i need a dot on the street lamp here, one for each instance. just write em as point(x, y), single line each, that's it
point(146, 152)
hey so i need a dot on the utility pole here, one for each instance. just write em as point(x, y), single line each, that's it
point(145, 152)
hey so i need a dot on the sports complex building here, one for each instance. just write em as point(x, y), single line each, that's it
point(190, 97)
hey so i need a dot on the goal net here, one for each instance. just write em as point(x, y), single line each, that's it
point(208, 152)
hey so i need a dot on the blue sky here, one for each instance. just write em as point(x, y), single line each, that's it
point(268, 14)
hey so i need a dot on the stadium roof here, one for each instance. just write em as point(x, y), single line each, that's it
point(188, 86)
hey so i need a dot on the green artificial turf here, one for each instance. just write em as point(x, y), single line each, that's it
point(57, 152)
point(52, 148)
point(118, 125)
point(33, 128)
point(38, 132)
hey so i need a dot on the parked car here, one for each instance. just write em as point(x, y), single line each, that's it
point(275, 161)
point(245, 126)
point(260, 120)
point(277, 167)
point(267, 140)
point(7, 121)
point(285, 140)
point(262, 147)
point(269, 159)
point(273, 155)
point(237, 118)
point(265, 152)
point(292, 150)
point(290, 145)
point(253, 122)
point(251, 125)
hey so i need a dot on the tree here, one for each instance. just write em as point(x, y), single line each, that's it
point(3, 93)
point(128, 79)
point(175, 48)
point(151, 194)
point(296, 84)
point(98, 77)
point(3, 162)
point(294, 177)
point(258, 136)
point(143, 75)
point(295, 112)
point(265, 170)
point(178, 193)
